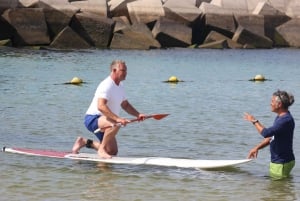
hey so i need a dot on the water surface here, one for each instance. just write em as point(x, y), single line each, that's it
point(205, 122)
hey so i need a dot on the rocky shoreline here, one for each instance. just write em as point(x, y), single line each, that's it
point(150, 24)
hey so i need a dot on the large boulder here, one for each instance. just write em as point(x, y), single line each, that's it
point(51, 4)
point(8, 4)
point(272, 19)
point(289, 31)
point(137, 36)
point(98, 7)
point(214, 18)
point(95, 29)
point(237, 7)
point(30, 26)
point(224, 24)
point(253, 3)
point(172, 34)
point(28, 3)
point(293, 9)
point(121, 23)
point(181, 11)
point(58, 17)
point(250, 39)
point(214, 36)
point(207, 8)
point(218, 19)
point(145, 11)
point(187, 13)
point(117, 8)
point(255, 23)
point(69, 39)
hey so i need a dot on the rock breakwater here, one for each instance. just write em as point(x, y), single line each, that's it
point(149, 24)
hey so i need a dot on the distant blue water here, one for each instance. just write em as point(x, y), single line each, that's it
point(205, 122)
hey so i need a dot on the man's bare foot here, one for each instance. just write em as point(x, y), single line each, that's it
point(79, 143)
point(103, 154)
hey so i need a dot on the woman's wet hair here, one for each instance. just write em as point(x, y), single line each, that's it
point(285, 98)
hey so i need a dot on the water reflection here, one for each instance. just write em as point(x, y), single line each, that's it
point(280, 190)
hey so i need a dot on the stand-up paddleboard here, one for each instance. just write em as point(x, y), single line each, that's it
point(160, 161)
point(157, 161)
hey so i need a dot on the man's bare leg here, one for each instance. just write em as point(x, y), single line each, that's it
point(81, 142)
point(108, 146)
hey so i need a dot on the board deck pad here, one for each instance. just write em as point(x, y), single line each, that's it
point(157, 161)
point(36, 152)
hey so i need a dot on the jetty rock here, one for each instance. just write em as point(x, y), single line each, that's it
point(150, 24)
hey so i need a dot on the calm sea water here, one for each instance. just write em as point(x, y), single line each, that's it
point(205, 122)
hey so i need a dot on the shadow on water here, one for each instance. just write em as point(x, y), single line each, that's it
point(226, 169)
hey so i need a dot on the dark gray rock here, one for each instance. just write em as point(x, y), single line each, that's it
point(272, 19)
point(137, 36)
point(30, 26)
point(289, 31)
point(95, 29)
point(145, 11)
point(181, 11)
point(222, 23)
point(58, 19)
point(255, 23)
point(246, 37)
point(172, 34)
point(214, 36)
point(69, 39)
point(98, 7)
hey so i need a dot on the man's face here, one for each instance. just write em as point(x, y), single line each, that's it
point(275, 104)
point(121, 72)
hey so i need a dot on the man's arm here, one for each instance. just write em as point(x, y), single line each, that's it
point(130, 109)
point(254, 152)
point(103, 108)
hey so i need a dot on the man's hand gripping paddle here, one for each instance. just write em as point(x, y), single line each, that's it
point(154, 116)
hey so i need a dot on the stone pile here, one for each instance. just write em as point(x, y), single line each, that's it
point(148, 24)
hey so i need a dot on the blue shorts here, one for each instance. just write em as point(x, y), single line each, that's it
point(91, 123)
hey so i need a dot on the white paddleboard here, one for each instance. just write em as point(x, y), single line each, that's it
point(157, 161)
point(160, 161)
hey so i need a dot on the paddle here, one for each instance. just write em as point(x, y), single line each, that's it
point(154, 116)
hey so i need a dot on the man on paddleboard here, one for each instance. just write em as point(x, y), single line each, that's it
point(279, 136)
point(104, 110)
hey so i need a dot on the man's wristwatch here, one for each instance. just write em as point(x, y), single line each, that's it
point(255, 121)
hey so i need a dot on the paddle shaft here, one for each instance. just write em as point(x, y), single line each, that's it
point(154, 116)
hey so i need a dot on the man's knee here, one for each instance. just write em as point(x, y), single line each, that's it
point(112, 151)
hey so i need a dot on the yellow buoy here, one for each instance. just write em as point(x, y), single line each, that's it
point(76, 80)
point(259, 78)
point(173, 79)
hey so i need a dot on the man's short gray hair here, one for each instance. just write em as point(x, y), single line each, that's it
point(116, 63)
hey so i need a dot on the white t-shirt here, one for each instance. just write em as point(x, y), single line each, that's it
point(113, 93)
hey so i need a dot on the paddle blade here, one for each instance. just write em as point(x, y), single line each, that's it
point(159, 116)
